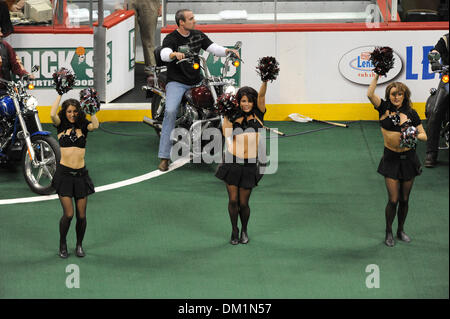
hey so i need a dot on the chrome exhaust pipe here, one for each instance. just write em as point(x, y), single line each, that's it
point(152, 122)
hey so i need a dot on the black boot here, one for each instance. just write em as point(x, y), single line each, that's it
point(430, 160)
point(81, 229)
point(391, 211)
point(64, 224)
point(389, 240)
point(244, 237)
point(79, 251)
point(403, 237)
point(63, 250)
point(234, 237)
point(402, 213)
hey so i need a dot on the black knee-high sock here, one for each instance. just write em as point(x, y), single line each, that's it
point(244, 213)
point(64, 225)
point(402, 212)
point(81, 229)
point(390, 211)
point(233, 210)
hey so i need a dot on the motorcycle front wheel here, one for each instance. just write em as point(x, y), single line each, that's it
point(39, 176)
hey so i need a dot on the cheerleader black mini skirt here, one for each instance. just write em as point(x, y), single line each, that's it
point(401, 166)
point(70, 182)
point(244, 175)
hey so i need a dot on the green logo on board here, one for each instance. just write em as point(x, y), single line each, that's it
point(215, 65)
point(131, 49)
point(51, 60)
point(109, 65)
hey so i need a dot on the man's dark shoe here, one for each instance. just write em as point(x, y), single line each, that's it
point(430, 160)
point(164, 165)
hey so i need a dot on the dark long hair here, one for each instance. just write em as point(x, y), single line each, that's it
point(401, 87)
point(62, 113)
point(250, 93)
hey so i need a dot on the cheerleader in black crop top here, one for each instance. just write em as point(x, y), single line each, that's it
point(401, 127)
point(71, 180)
point(239, 169)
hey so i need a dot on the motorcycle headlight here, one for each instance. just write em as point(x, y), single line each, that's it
point(31, 103)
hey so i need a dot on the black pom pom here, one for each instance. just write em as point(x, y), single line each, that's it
point(268, 68)
point(227, 106)
point(89, 100)
point(63, 80)
point(383, 60)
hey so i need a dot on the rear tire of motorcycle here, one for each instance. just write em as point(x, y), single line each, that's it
point(47, 190)
point(156, 100)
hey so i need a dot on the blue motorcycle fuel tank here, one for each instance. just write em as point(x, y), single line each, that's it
point(7, 108)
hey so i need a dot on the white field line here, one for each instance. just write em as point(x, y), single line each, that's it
point(177, 164)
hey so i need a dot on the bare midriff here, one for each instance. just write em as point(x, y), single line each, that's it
point(72, 157)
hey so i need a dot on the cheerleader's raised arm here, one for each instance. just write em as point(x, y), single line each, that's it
point(374, 99)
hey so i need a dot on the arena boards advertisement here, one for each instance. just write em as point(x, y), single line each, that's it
point(120, 58)
point(51, 52)
point(52, 59)
point(54, 51)
point(357, 67)
point(323, 75)
point(319, 71)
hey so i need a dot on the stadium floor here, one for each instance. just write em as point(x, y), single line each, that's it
point(315, 226)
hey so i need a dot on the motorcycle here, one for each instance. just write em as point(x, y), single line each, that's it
point(197, 110)
point(437, 96)
point(23, 139)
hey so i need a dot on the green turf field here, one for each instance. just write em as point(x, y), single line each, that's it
point(315, 226)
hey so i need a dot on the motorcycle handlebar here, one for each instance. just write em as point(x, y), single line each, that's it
point(23, 78)
point(188, 56)
point(234, 56)
point(183, 60)
point(439, 68)
point(18, 87)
